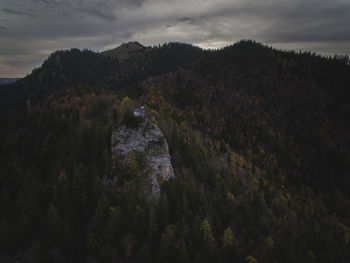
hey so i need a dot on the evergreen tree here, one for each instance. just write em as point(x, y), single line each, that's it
point(227, 241)
point(207, 233)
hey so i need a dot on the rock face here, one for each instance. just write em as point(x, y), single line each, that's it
point(148, 140)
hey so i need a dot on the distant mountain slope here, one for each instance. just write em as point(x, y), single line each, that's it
point(61, 70)
point(7, 80)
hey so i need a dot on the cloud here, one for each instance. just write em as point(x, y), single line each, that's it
point(13, 12)
point(186, 19)
point(276, 21)
point(32, 29)
point(101, 9)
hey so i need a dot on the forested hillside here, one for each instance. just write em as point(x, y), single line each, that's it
point(258, 138)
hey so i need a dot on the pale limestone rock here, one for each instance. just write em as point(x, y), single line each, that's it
point(148, 140)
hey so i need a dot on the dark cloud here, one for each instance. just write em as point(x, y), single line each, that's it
point(15, 12)
point(102, 9)
point(45, 1)
point(125, 35)
point(304, 21)
point(32, 29)
point(184, 19)
point(20, 61)
point(191, 20)
point(12, 12)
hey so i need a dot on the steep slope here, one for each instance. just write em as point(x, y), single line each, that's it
point(61, 70)
point(148, 143)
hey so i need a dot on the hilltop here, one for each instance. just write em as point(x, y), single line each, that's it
point(257, 139)
point(126, 50)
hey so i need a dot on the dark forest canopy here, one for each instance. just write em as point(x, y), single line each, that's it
point(259, 140)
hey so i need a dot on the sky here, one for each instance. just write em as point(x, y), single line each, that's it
point(30, 30)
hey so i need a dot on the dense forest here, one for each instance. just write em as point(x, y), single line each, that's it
point(259, 142)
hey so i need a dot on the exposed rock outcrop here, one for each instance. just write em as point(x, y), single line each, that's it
point(148, 140)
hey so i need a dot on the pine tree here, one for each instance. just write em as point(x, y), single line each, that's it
point(152, 223)
point(251, 259)
point(54, 225)
point(167, 245)
point(207, 232)
point(227, 241)
point(143, 255)
point(163, 211)
point(96, 236)
point(5, 236)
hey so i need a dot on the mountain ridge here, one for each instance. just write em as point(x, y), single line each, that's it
point(258, 140)
point(7, 80)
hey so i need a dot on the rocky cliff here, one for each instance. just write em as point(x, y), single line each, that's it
point(148, 141)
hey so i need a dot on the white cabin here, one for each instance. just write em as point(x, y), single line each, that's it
point(139, 112)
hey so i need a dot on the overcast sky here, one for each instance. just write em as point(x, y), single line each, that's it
point(31, 29)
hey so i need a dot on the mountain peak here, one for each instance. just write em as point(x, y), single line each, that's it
point(125, 50)
point(133, 43)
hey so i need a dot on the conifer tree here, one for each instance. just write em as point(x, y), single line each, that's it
point(227, 241)
point(207, 233)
